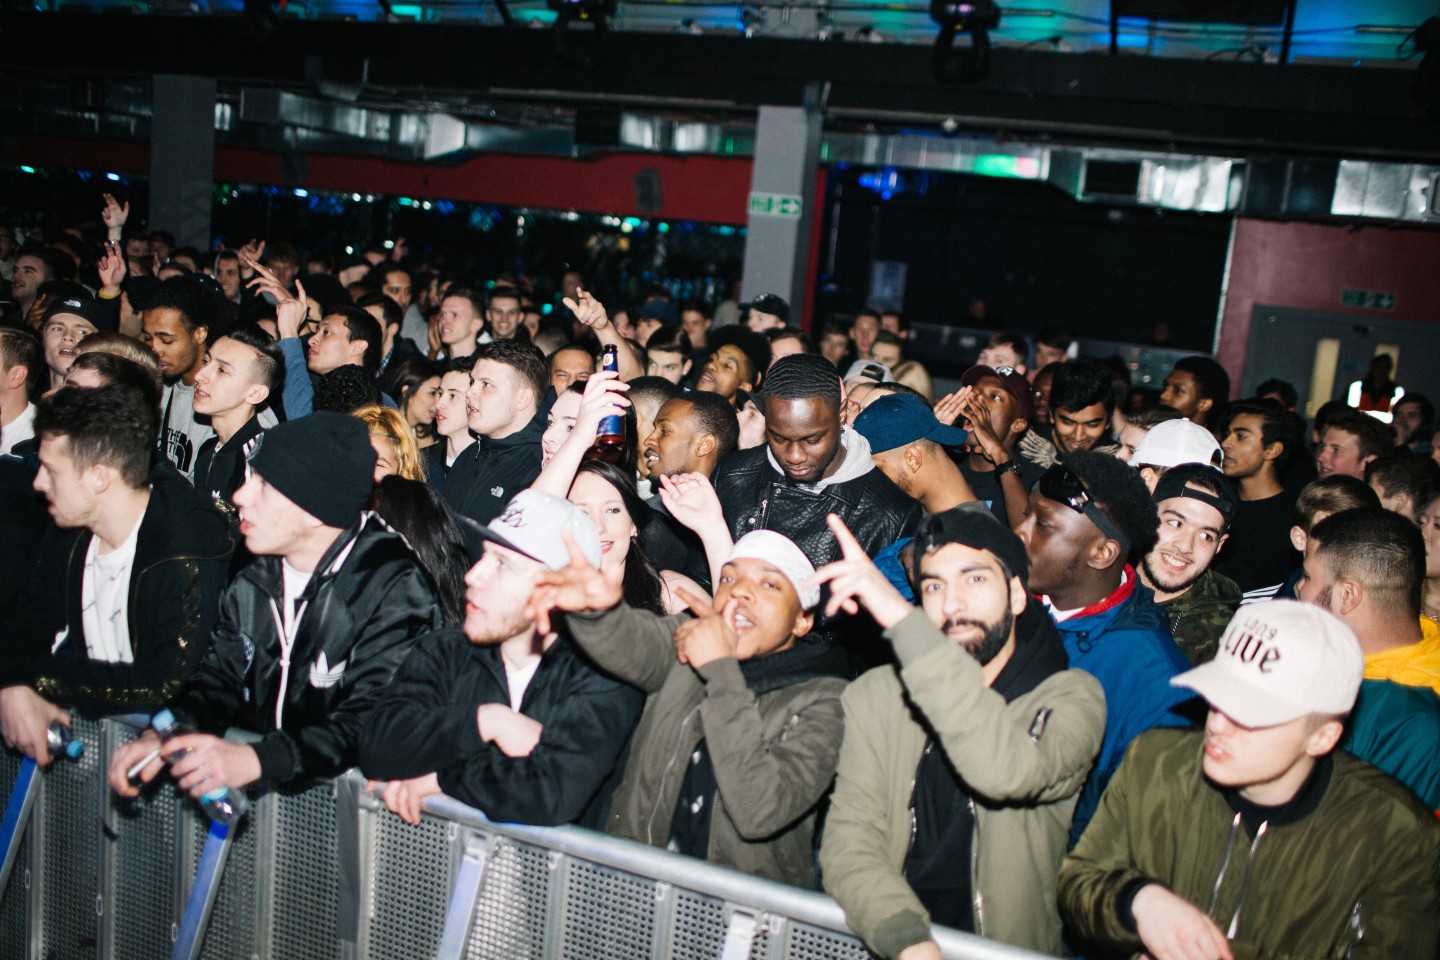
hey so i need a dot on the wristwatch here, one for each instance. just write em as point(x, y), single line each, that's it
point(1009, 466)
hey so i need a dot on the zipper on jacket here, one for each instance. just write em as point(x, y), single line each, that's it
point(976, 896)
point(665, 775)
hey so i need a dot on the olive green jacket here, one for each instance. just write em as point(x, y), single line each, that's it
point(1355, 877)
point(1023, 763)
point(773, 754)
point(1200, 615)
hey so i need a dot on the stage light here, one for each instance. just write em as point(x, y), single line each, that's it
point(973, 17)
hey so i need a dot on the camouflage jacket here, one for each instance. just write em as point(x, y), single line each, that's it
point(1199, 615)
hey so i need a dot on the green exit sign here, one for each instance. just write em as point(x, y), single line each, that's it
point(774, 205)
point(1368, 299)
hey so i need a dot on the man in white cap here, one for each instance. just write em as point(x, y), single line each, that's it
point(1172, 443)
point(502, 714)
point(1255, 837)
point(742, 722)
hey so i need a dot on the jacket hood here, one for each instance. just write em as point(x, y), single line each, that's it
point(856, 464)
point(1039, 653)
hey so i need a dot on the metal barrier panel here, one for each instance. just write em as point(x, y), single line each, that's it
point(65, 822)
point(413, 867)
point(15, 904)
point(303, 903)
point(152, 864)
point(510, 915)
point(326, 873)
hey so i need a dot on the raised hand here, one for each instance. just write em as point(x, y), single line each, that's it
point(692, 500)
point(250, 254)
point(290, 310)
point(949, 407)
point(575, 586)
point(855, 581)
point(114, 215)
point(604, 396)
point(398, 251)
point(710, 636)
point(982, 435)
point(112, 269)
point(588, 310)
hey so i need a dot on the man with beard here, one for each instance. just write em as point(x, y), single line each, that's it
point(501, 714)
point(972, 749)
point(1087, 516)
point(1196, 505)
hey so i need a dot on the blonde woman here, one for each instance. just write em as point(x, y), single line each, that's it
point(395, 450)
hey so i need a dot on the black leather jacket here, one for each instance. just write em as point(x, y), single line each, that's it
point(366, 603)
point(757, 496)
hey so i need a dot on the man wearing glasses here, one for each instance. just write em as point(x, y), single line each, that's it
point(1087, 517)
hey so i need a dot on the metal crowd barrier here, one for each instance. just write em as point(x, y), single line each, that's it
point(326, 873)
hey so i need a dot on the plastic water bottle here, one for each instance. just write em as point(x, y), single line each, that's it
point(62, 743)
point(222, 804)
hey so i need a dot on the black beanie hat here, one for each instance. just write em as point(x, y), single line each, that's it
point(322, 463)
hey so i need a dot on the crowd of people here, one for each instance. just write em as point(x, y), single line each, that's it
point(1041, 658)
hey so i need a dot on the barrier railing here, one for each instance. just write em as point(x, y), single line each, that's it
point(326, 873)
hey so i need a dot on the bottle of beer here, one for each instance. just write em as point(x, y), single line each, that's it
point(610, 438)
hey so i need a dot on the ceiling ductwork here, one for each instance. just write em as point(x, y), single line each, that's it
point(425, 127)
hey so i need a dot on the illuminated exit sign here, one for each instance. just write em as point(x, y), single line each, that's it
point(1368, 299)
point(774, 205)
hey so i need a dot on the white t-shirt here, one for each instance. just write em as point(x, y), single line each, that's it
point(105, 599)
point(20, 429)
point(519, 681)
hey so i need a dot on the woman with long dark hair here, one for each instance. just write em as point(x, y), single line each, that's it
point(419, 514)
point(414, 385)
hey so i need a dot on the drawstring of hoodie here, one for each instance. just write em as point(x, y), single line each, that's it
point(1244, 882)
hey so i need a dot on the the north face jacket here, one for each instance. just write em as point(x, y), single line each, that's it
point(773, 749)
point(1200, 615)
point(484, 478)
point(367, 601)
point(1022, 761)
point(1346, 872)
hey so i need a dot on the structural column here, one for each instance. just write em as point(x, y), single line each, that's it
point(182, 157)
point(782, 202)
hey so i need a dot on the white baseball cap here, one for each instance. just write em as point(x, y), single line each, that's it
point(1280, 660)
point(867, 371)
point(1175, 442)
point(533, 524)
point(780, 552)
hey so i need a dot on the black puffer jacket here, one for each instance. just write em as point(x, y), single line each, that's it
point(367, 601)
point(182, 553)
point(755, 495)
